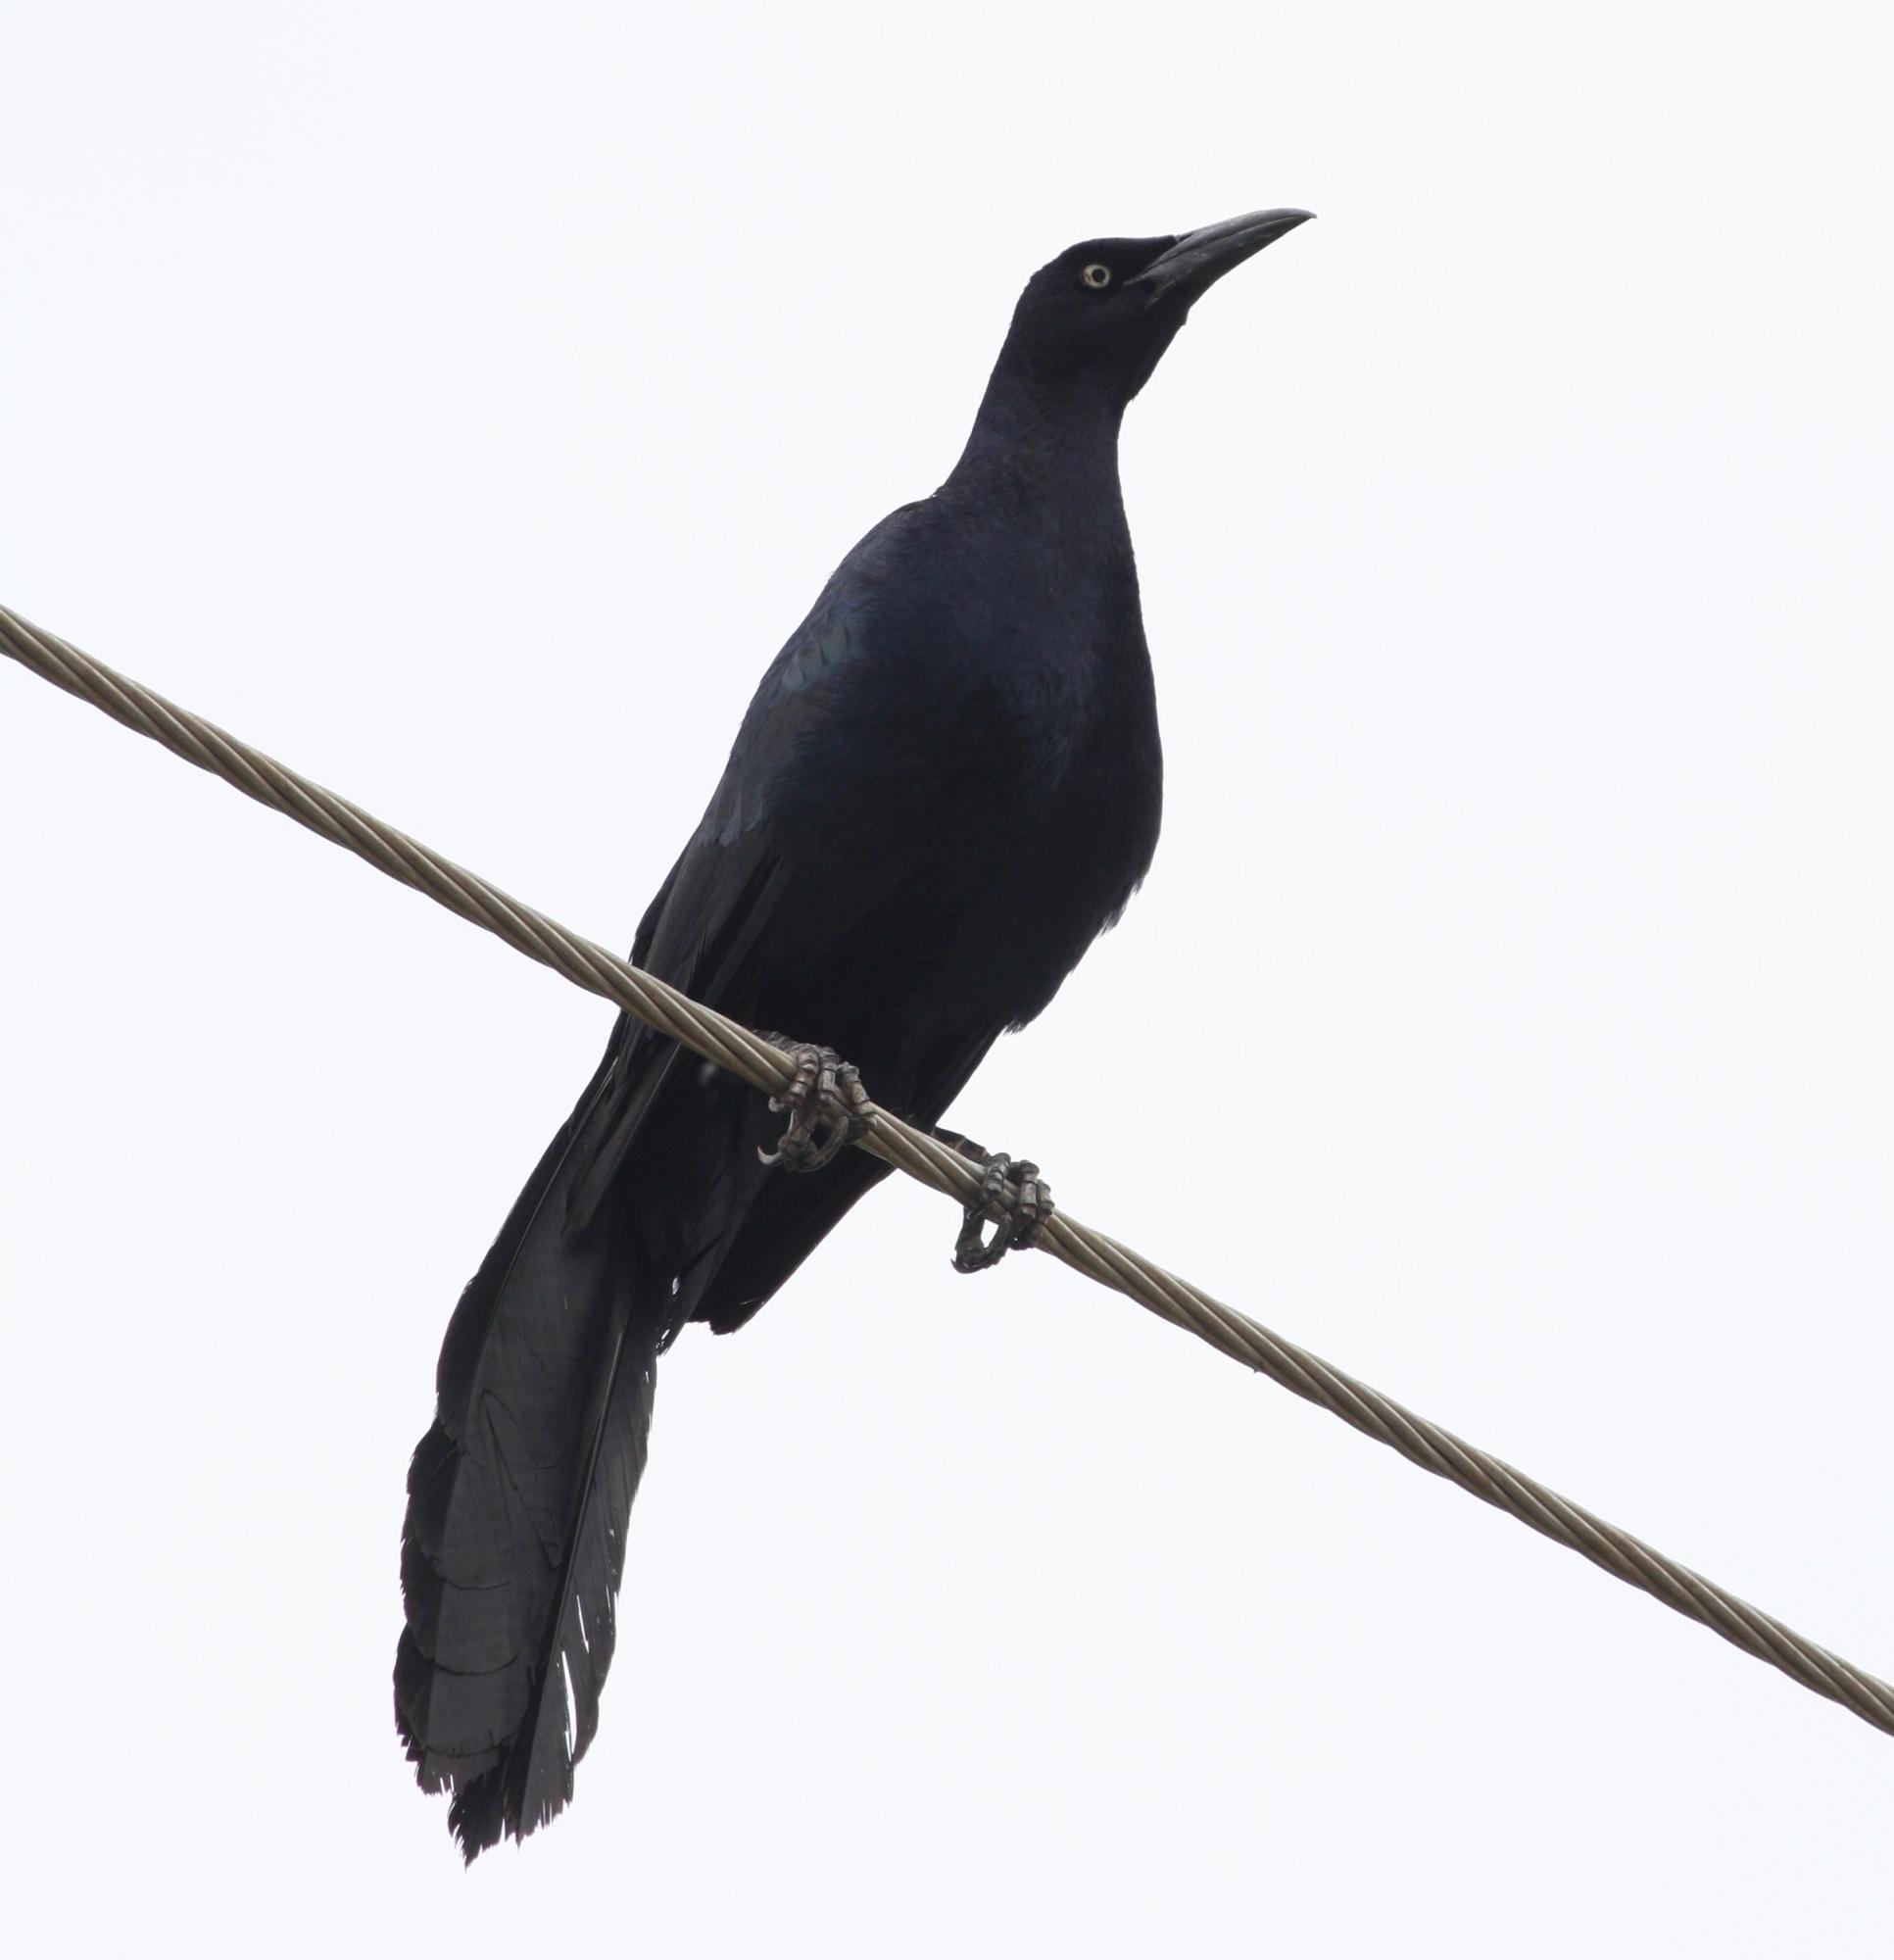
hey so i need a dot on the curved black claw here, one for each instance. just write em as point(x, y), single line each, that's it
point(825, 1105)
point(1019, 1224)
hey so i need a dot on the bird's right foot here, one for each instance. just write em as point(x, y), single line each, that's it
point(825, 1104)
point(1018, 1225)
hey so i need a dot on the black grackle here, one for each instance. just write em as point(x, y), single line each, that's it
point(947, 786)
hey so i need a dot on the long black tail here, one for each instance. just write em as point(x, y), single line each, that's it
point(649, 1208)
point(519, 1493)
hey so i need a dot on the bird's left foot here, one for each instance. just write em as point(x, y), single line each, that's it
point(825, 1103)
point(1019, 1224)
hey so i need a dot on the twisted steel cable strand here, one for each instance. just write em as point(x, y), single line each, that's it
point(1092, 1252)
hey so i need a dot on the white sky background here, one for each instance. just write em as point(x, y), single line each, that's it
point(464, 403)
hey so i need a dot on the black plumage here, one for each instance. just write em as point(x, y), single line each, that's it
point(945, 787)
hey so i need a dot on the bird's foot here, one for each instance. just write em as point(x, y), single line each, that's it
point(825, 1105)
point(1019, 1223)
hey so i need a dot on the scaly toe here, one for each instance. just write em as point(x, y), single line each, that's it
point(1020, 1224)
point(825, 1103)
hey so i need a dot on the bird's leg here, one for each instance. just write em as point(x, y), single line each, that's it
point(825, 1104)
point(1020, 1223)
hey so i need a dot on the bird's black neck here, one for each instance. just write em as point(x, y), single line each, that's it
point(1061, 430)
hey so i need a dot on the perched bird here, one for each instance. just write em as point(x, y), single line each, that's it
point(947, 786)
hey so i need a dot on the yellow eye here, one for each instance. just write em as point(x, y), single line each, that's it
point(1098, 278)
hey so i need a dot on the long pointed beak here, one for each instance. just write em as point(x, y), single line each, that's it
point(1200, 258)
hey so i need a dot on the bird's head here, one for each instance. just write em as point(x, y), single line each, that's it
point(1107, 309)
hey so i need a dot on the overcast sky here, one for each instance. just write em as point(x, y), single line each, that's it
point(462, 402)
